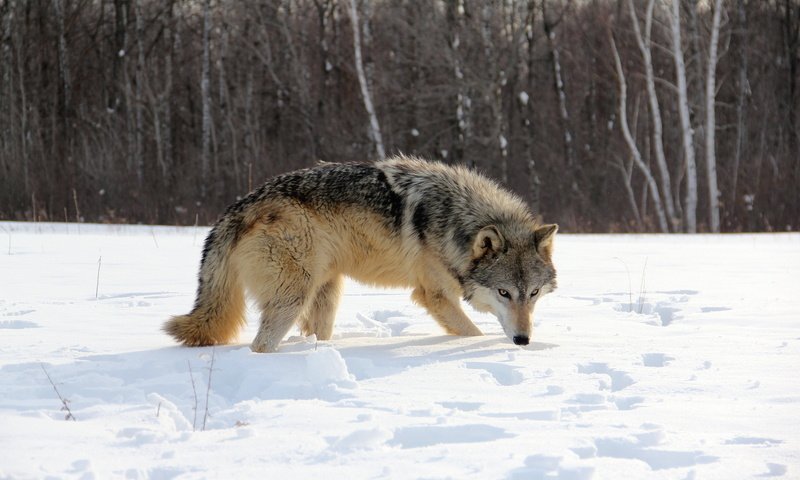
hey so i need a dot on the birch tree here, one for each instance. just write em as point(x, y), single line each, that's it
point(711, 125)
point(525, 105)
point(493, 92)
point(558, 81)
point(631, 142)
point(644, 44)
point(687, 133)
point(463, 102)
point(375, 128)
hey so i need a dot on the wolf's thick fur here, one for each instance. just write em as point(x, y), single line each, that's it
point(446, 232)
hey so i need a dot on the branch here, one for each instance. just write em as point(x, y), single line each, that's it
point(64, 401)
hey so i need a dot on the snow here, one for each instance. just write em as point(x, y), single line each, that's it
point(657, 357)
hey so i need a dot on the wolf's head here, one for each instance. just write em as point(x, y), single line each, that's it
point(507, 278)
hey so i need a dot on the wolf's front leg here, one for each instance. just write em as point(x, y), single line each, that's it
point(445, 309)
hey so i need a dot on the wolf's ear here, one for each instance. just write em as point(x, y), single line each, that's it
point(486, 241)
point(543, 239)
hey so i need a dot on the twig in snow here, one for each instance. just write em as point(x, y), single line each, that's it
point(642, 291)
point(64, 401)
point(153, 233)
point(208, 388)
point(194, 391)
point(97, 285)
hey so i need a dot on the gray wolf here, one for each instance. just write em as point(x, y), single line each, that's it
point(446, 232)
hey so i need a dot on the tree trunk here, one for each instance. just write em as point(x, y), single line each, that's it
point(462, 101)
point(527, 112)
point(690, 206)
point(375, 128)
point(711, 124)
point(497, 131)
point(205, 92)
point(655, 110)
point(172, 39)
point(558, 81)
point(743, 91)
point(629, 140)
point(138, 97)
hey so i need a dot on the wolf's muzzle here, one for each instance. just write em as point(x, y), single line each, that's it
point(520, 340)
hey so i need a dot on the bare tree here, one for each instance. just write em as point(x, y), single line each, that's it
point(375, 128)
point(631, 142)
point(743, 91)
point(205, 93)
point(558, 81)
point(711, 123)
point(63, 58)
point(138, 97)
point(690, 205)
point(498, 136)
point(525, 105)
point(644, 43)
point(463, 101)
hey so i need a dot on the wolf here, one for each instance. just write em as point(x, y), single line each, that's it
point(446, 232)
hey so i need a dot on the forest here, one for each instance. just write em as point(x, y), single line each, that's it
point(604, 115)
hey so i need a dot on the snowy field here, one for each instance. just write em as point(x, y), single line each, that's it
point(657, 357)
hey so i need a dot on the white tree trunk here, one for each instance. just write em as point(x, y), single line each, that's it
point(655, 110)
point(375, 128)
point(626, 133)
point(494, 92)
point(562, 97)
point(711, 123)
point(561, 93)
point(690, 207)
point(463, 101)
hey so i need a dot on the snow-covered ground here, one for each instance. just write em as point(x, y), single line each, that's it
point(657, 357)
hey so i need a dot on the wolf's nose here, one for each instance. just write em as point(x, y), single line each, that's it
point(520, 340)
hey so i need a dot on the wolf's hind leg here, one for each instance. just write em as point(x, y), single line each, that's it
point(276, 321)
point(321, 312)
point(446, 311)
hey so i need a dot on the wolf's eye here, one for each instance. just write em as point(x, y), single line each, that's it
point(534, 292)
point(504, 293)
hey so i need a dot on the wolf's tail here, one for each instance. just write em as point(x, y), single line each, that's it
point(218, 311)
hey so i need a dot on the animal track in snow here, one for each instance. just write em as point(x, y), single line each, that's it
point(775, 470)
point(656, 359)
point(503, 374)
point(659, 308)
point(753, 441)
point(619, 379)
point(16, 324)
point(426, 436)
point(549, 466)
point(641, 449)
